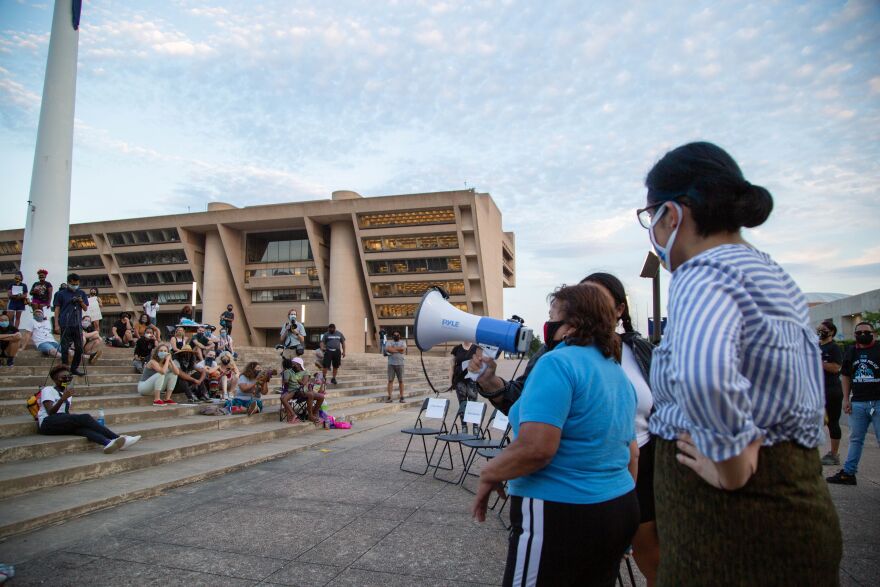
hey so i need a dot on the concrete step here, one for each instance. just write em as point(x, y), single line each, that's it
point(35, 509)
point(40, 380)
point(33, 475)
point(43, 371)
point(36, 446)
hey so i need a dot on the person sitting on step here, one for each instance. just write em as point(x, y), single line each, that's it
point(201, 343)
point(10, 339)
point(295, 385)
point(143, 350)
point(160, 374)
point(122, 332)
point(251, 386)
point(42, 337)
point(54, 417)
point(145, 325)
point(190, 379)
point(93, 345)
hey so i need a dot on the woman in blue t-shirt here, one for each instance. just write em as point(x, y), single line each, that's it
point(573, 506)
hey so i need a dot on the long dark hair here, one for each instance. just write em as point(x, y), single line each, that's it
point(591, 312)
point(250, 370)
point(706, 179)
point(613, 285)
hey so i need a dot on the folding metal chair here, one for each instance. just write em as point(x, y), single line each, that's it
point(498, 422)
point(469, 412)
point(632, 578)
point(439, 408)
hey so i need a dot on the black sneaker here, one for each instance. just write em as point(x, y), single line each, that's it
point(77, 372)
point(842, 478)
point(333, 381)
point(10, 362)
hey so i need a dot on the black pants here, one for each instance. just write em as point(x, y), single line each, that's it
point(833, 404)
point(561, 544)
point(72, 335)
point(79, 425)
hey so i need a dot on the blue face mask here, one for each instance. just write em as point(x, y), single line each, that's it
point(664, 253)
point(4, 323)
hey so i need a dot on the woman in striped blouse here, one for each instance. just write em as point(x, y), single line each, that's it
point(737, 385)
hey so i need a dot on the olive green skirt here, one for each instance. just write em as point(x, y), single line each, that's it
point(780, 529)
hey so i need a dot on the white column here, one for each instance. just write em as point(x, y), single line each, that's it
point(48, 217)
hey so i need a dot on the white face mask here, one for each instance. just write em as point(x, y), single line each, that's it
point(664, 253)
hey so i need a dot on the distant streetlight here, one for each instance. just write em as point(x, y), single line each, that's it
point(651, 270)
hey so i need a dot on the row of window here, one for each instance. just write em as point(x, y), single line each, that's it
point(144, 237)
point(415, 288)
point(9, 266)
point(165, 297)
point(311, 271)
point(87, 262)
point(158, 277)
point(301, 294)
point(431, 265)
point(276, 247)
point(407, 218)
point(78, 243)
point(10, 248)
point(152, 258)
point(410, 243)
point(89, 281)
point(406, 310)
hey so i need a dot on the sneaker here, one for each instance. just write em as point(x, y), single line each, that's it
point(387, 400)
point(333, 381)
point(842, 478)
point(158, 402)
point(170, 402)
point(114, 445)
point(94, 358)
point(77, 372)
point(401, 400)
point(831, 459)
point(10, 362)
point(252, 408)
point(129, 441)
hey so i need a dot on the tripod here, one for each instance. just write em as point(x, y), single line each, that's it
point(66, 333)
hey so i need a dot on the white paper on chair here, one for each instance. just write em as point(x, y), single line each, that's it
point(473, 413)
point(436, 408)
point(500, 421)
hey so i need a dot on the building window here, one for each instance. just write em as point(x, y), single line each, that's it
point(10, 248)
point(429, 265)
point(300, 294)
point(9, 266)
point(88, 281)
point(410, 243)
point(165, 297)
point(407, 218)
point(406, 310)
point(278, 247)
point(87, 262)
point(152, 258)
point(311, 271)
point(144, 237)
point(415, 288)
point(108, 299)
point(78, 243)
point(158, 277)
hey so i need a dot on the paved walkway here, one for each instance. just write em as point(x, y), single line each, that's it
point(340, 515)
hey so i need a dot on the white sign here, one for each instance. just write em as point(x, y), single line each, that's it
point(436, 408)
point(500, 421)
point(473, 412)
point(17, 290)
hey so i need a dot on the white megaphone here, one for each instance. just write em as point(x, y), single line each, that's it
point(437, 321)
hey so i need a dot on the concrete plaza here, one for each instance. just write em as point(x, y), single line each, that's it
point(337, 514)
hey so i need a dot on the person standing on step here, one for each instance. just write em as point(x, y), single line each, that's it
point(292, 336)
point(94, 310)
point(333, 345)
point(151, 308)
point(227, 318)
point(69, 303)
point(17, 298)
point(860, 376)
point(832, 359)
point(395, 349)
point(41, 291)
point(54, 417)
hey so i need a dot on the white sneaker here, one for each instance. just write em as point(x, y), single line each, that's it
point(114, 445)
point(130, 441)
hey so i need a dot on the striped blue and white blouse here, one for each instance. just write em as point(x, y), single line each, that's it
point(738, 359)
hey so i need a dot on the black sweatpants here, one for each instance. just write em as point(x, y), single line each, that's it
point(561, 544)
point(72, 335)
point(78, 425)
point(833, 405)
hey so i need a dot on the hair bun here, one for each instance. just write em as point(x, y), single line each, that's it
point(753, 206)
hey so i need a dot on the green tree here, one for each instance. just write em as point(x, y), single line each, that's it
point(536, 345)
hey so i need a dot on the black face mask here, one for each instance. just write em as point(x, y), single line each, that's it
point(396, 337)
point(209, 361)
point(550, 329)
point(864, 337)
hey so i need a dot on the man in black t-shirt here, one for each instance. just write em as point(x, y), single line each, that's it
point(832, 358)
point(68, 305)
point(861, 376)
point(10, 339)
point(227, 318)
point(465, 389)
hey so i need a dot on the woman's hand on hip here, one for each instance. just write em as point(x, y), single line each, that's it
point(731, 474)
point(481, 499)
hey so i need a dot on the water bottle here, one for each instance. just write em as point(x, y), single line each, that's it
point(101, 416)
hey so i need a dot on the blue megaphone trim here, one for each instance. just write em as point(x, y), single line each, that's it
point(500, 333)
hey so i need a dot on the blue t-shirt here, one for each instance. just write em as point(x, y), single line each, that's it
point(590, 399)
point(70, 314)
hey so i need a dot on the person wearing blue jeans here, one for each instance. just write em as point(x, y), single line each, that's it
point(860, 375)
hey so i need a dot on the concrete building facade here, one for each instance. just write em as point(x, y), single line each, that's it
point(361, 263)
point(846, 312)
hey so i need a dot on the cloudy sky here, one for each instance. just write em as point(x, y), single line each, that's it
point(558, 109)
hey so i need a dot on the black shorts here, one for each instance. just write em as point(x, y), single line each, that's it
point(332, 359)
point(554, 543)
point(645, 482)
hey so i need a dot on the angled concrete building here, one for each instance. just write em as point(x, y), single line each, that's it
point(361, 263)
